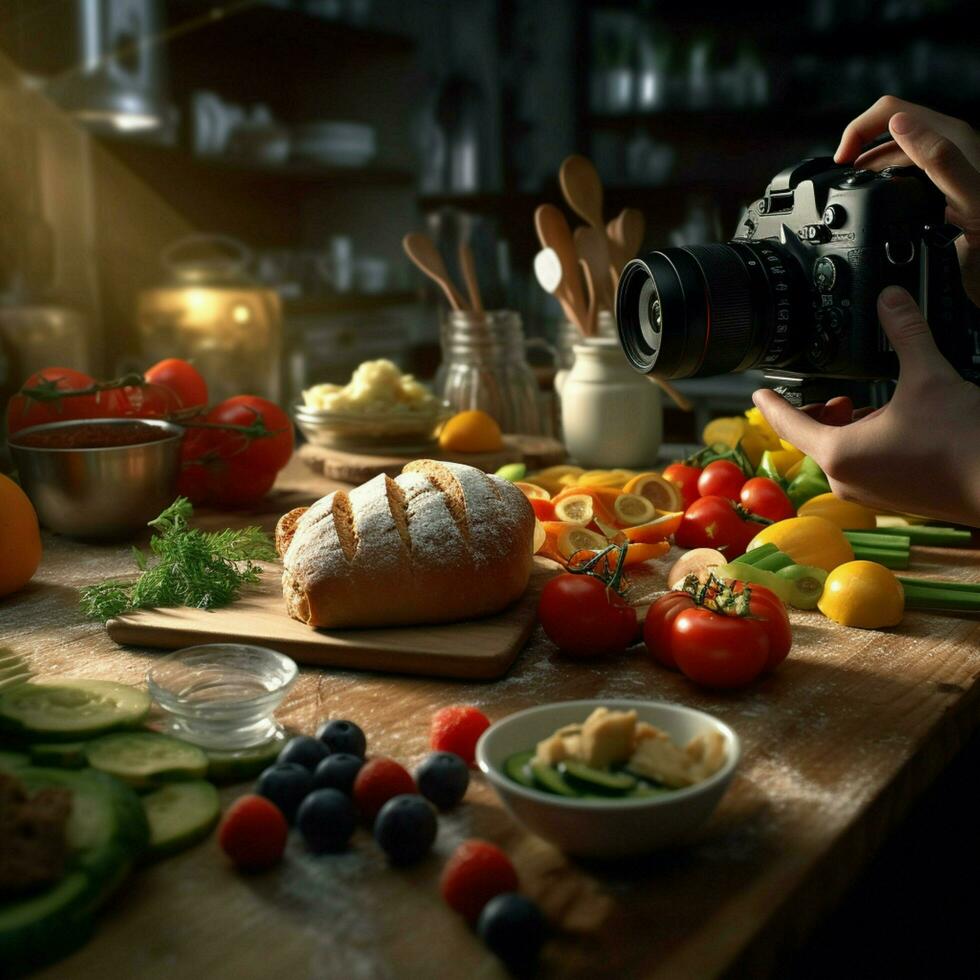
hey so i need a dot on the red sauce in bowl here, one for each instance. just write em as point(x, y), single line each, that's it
point(94, 435)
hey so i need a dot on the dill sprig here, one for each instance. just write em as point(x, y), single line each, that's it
point(186, 567)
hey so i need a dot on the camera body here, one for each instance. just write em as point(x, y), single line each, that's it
point(795, 292)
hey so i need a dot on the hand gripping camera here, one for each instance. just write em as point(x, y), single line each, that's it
point(794, 293)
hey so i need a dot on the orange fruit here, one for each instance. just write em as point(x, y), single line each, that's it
point(575, 508)
point(632, 508)
point(575, 539)
point(472, 431)
point(660, 492)
point(540, 536)
point(20, 538)
point(532, 491)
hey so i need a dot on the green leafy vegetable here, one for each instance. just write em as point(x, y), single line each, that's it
point(186, 567)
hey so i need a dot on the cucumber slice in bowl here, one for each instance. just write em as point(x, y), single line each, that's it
point(145, 760)
point(180, 815)
point(66, 709)
point(598, 781)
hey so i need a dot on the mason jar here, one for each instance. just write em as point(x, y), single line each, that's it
point(484, 365)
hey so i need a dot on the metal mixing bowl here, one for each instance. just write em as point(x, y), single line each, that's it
point(97, 493)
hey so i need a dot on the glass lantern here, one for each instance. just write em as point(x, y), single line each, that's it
point(213, 315)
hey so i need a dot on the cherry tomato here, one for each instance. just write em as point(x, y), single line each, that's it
point(30, 406)
point(253, 833)
point(766, 497)
point(585, 618)
point(685, 478)
point(715, 522)
point(722, 478)
point(714, 648)
point(182, 378)
point(230, 467)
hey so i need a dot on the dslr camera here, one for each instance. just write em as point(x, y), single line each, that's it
point(794, 293)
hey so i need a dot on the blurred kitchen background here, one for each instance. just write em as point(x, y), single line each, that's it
point(243, 172)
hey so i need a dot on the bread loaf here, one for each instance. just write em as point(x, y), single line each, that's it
point(439, 543)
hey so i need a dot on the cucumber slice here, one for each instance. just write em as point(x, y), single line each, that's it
point(593, 780)
point(12, 760)
point(65, 709)
point(180, 815)
point(805, 583)
point(549, 779)
point(144, 760)
point(645, 790)
point(240, 765)
point(516, 766)
point(61, 755)
point(106, 832)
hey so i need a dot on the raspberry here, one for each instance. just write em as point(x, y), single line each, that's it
point(477, 871)
point(457, 729)
point(253, 833)
point(377, 782)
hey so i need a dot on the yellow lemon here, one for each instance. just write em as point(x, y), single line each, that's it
point(472, 431)
point(863, 594)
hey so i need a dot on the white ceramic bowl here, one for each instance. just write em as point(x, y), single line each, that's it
point(605, 828)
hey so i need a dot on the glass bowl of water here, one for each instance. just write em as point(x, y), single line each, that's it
point(222, 696)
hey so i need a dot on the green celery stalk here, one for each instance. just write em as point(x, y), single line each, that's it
point(925, 583)
point(773, 563)
point(950, 601)
point(756, 554)
point(922, 534)
point(890, 542)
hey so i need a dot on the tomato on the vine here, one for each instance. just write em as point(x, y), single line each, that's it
point(182, 378)
point(143, 401)
point(766, 497)
point(722, 478)
point(47, 396)
point(585, 617)
point(723, 637)
point(717, 522)
point(232, 456)
point(685, 478)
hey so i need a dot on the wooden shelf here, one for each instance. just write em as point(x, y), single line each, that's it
point(176, 161)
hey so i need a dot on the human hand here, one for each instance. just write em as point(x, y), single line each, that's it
point(947, 149)
point(918, 454)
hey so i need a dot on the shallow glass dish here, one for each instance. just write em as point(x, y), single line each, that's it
point(222, 695)
point(358, 432)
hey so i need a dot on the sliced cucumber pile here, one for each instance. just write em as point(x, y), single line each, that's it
point(66, 709)
point(106, 833)
point(180, 815)
point(61, 755)
point(574, 779)
point(240, 765)
point(145, 760)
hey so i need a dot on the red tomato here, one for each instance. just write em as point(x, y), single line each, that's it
point(715, 522)
point(182, 378)
point(716, 649)
point(685, 478)
point(46, 397)
point(149, 401)
point(230, 467)
point(766, 497)
point(722, 478)
point(583, 617)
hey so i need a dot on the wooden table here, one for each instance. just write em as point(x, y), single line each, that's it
point(836, 744)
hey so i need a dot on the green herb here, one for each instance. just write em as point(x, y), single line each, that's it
point(186, 567)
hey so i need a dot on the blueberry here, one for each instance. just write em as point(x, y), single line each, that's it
point(285, 784)
point(326, 819)
point(513, 927)
point(305, 750)
point(442, 779)
point(405, 828)
point(342, 736)
point(338, 771)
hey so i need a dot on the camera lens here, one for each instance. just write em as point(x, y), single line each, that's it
point(709, 309)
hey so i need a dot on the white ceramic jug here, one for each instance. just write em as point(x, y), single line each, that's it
point(611, 415)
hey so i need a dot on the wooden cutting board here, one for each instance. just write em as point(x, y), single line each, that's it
point(481, 649)
point(349, 467)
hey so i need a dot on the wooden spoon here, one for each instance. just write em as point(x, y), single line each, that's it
point(633, 229)
point(548, 271)
point(554, 233)
point(593, 249)
point(681, 401)
point(423, 252)
point(582, 189)
point(593, 311)
point(468, 265)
